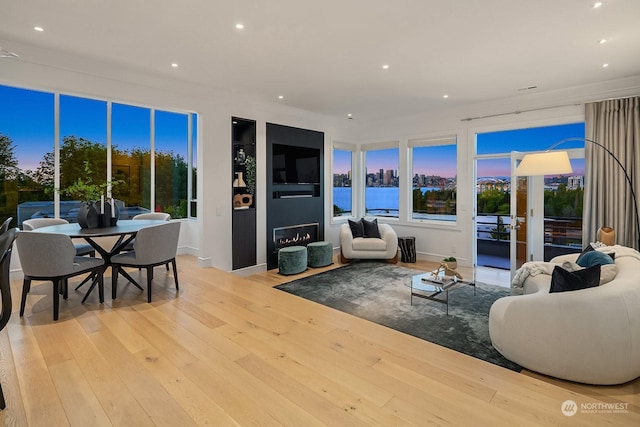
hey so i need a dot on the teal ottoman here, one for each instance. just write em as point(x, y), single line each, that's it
point(292, 260)
point(320, 254)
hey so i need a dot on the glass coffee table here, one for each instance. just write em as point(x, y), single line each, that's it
point(436, 288)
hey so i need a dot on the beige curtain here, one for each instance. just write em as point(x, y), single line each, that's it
point(607, 197)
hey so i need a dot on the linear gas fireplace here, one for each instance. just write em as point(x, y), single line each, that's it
point(295, 235)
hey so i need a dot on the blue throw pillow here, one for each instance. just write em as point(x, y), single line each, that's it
point(594, 258)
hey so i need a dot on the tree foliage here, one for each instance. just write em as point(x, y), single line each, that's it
point(8, 161)
point(437, 202)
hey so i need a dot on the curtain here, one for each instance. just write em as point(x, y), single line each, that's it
point(608, 201)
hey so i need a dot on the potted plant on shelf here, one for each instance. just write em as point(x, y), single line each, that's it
point(451, 262)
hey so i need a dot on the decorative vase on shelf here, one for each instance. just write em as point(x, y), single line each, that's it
point(239, 181)
point(240, 157)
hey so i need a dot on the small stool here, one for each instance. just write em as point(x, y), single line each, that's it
point(292, 260)
point(320, 254)
point(407, 248)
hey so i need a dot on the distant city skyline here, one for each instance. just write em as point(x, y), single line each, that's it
point(441, 160)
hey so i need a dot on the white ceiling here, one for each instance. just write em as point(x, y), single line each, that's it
point(326, 56)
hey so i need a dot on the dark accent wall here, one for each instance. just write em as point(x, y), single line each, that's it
point(292, 204)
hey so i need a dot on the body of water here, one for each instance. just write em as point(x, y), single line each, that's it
point(383, 201)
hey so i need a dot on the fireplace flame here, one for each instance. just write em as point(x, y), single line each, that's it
point(296, 239)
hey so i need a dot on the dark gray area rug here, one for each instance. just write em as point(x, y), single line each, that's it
point(380, 292)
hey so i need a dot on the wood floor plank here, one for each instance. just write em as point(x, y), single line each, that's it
point(231, 350)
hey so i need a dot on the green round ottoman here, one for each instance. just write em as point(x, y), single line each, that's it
point(292, 260)
point(320, 254)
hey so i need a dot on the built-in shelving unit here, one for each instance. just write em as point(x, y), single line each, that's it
point(243, 182)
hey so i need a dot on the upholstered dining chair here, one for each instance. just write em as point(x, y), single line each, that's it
point(33, 223)
point(153, 246)
point(159, 216)
point(6, 244)
point(52, 257)
point(5, 225)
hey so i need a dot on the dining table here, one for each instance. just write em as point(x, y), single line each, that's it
point(125, 230)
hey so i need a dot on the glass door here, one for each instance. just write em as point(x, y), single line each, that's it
point(526, 218)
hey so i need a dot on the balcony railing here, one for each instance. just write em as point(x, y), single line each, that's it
point(561, 236)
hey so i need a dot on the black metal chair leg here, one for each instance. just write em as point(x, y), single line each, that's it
point(2, 402)
point(114, 281)
point(26, 287)
point(175, 273)
point(149, 280)
point(101, 286)
point(56, 298)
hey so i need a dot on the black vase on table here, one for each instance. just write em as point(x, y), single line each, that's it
point(89, 215)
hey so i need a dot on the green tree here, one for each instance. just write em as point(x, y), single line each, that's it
point(8, 161)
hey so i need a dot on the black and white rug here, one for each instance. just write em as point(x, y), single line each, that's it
point(380, 292)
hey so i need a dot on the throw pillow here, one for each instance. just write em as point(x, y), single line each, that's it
point(586, 250)
point(357, 230)
point(563, 280)
point(592, 258)
point(371, 228)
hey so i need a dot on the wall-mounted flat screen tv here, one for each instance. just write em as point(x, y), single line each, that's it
point(295, 165)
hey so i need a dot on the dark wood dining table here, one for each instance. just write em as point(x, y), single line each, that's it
point(125, 230)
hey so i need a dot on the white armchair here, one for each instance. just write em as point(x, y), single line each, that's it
point(386, 247)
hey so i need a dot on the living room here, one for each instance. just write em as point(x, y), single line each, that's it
point(105, 70)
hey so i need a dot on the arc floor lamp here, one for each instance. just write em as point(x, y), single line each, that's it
point(557, 162)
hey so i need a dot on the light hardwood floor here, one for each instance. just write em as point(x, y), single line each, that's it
point(227, 350)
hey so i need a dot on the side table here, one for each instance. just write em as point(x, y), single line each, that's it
point(407, 246)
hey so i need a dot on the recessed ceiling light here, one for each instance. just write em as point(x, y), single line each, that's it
point(605, 65)
point(385, 67)
point(602, 41)
point(445, 96)
point(239, 26)
point(597, 4)
point(280, 96)
point(174, 65)
point(38, 29)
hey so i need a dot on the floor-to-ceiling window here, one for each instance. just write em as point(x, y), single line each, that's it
point(49, 141)
point(382, 180)
point(171, 145)
point(26, 153)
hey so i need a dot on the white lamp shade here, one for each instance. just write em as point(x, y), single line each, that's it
point(547, 163)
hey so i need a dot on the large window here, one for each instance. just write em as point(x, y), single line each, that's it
point(131, 155)
point(342, 188)
point(26, 154)
point(92, 133)
point(382, 181)
point(434, 182)
point(171, 146)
